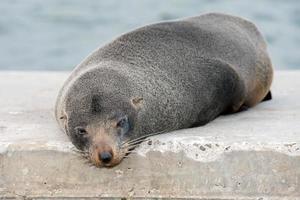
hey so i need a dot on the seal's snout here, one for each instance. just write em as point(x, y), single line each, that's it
point(105, 157)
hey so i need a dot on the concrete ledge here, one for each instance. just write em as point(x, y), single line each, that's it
point(249, 155)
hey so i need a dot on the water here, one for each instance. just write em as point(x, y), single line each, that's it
point(58, 34)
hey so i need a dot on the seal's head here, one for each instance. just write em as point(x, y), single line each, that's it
point(100, 120)
point(103, 134)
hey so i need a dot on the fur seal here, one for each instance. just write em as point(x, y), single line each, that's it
point(162, 77)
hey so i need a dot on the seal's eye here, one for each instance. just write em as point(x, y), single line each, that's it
point(80, 130)
point(122, 122)
point(123, 125)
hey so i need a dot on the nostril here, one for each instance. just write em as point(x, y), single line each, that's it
point(105, 157)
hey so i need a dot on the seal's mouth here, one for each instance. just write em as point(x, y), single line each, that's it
point(106, 155)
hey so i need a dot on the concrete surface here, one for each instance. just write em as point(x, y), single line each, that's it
point(249, 155)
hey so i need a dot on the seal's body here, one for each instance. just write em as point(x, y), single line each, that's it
point(162, 77)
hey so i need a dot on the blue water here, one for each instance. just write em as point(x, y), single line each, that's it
point(58, 34)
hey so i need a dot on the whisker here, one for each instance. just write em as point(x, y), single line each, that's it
point(77, 151)
point(83, 153)
point(145, 136)
point(125, 141)
point(128, 154)
point(80, 152)
point(84, 157)
point(138, 142)
point(132, 152)
point(130, 146)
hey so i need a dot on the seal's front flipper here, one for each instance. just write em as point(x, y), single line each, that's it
point(268, 96)
point(243, 108)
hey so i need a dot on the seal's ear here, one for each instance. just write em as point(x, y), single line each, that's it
point(63, 116)
point(137, 102)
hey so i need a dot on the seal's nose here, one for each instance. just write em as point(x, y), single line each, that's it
point(105, 157)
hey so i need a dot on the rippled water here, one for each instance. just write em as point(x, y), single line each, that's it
point(58, 34)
